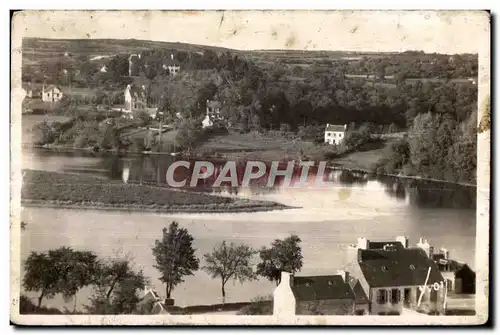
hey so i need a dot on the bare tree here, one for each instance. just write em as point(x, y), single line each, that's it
point(228, 261)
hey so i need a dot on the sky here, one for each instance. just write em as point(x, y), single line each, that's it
point(377, 31)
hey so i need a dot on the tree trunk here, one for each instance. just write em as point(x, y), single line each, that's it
point(40, 299)
point(108, 295)
point(223, 294)
point(168, 291)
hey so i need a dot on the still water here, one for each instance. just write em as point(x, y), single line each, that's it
point(328, 220)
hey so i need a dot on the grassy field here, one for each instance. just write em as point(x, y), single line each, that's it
point(52, 189)
point(254, 145)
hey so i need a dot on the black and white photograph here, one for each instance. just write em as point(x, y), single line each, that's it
point(207, 167)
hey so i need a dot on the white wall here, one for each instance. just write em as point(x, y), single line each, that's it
point(284, 300)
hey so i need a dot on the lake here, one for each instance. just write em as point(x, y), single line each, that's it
point(328, 220)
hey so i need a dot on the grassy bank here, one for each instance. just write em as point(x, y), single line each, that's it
point(52, 189)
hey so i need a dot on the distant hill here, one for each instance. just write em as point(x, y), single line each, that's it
point(40, 49)
point(48, 48)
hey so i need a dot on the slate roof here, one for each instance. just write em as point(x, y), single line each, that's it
point(51, 87)
point(380, 245)
point(397, 267)
point(321, 288)
point(334, 127)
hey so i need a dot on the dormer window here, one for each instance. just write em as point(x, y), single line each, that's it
point(308, 284)
point(330, 283)
point(384, 268)
point(412, 267)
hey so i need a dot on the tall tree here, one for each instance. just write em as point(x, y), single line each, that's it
point(283, 255)
point(229, 261)
point(61, 270)
point(175, 256)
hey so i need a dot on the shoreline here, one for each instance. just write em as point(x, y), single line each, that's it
point(75, 191)
point(333, 165)
point(190, 209)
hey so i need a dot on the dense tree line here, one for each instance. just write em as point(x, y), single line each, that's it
point(437, 147)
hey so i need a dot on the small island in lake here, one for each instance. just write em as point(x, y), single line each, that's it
point(66, 190)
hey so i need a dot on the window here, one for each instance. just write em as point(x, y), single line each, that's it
point(395, 296)
point(340, 135)
point(412, 267)
point(334, 134)
point(328, 134)
point(381, 297)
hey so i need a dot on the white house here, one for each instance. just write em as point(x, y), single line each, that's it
point(135, 97)
point(171, 66)
point(335, 134)
point(104, 69)
point(51, 94)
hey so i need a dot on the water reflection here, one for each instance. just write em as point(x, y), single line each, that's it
point(151, 169)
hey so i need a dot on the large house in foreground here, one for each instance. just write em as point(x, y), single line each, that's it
point(395, 277)
point(318, 295)
point(335, 134)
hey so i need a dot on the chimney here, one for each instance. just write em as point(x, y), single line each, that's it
point(345, 127)
point(423, 244)
point(363, 243)
point(344, 274)
point(445, 253)
point(403, 240)
point(283, 297)
point(172, 56)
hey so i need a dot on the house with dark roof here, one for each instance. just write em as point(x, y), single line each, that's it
point(335, 134)
point(171, 66)
point(394, 276)
point(459, 277)
point(138, 100)
point(135, 97)
point(314, 295)
point(51, 93)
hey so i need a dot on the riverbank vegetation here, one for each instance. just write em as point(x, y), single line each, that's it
point(41, 188)
point(437, 146)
